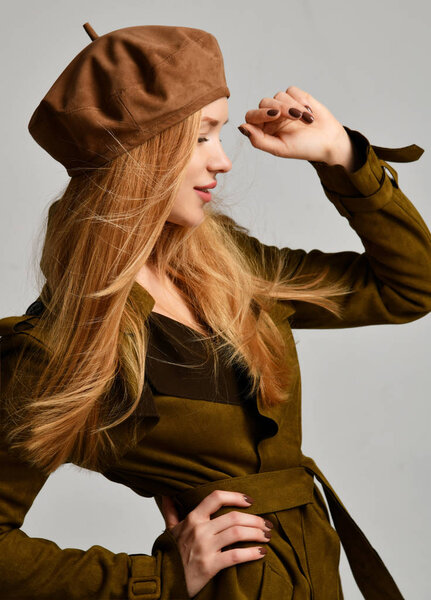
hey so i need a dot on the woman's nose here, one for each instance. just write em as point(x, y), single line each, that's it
point(220, 162)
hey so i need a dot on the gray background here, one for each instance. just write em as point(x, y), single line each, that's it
point(365, 391)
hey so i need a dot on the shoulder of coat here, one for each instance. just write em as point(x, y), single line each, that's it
point(281, 311)
point(28, 325)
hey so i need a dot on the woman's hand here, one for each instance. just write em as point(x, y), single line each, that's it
point(200, 538)
point(322, 139)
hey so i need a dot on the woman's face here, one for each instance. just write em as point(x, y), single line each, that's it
point(207, 160)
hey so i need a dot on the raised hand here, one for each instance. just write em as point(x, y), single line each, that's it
point(292, 134)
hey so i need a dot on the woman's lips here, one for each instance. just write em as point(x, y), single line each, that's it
point(206, 196)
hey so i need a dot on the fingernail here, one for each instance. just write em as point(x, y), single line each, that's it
point(268, 523)
point(249, 499)
point(272, 112)
point(244, 131)
point(308, 108)
point(294, 112)
point(307, 117)
point(263, 550)
point(268, 534)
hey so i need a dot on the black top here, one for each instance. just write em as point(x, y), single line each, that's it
point(173, 348)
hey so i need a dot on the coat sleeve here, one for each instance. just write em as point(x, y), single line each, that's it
point(38, 568)
point(390, 281)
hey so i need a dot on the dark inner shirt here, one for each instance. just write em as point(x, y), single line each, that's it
point(173, 347)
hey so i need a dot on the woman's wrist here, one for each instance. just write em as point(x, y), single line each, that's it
point(344, 153)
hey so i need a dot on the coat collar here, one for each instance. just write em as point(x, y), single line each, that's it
point(143, 297)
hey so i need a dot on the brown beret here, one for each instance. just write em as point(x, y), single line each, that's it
point(126, 85)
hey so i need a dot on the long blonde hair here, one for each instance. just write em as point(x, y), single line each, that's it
point(104, 227)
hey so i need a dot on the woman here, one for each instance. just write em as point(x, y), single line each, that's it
point(160, 351)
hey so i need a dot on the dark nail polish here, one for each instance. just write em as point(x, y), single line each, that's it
point(307, 117)
point(272, 112)
point(244, 131)
point(263, 550)
point(268, 534)
point(268, 523)
point(308, 108)
point(294, 112)
point(249, 499)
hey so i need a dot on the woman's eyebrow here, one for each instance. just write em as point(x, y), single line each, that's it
point(213, 122)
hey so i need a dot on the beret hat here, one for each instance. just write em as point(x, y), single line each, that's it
point(125, 87)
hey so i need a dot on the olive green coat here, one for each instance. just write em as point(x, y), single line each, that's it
point(391, 283)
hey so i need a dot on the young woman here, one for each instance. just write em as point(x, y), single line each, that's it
point(160, 353)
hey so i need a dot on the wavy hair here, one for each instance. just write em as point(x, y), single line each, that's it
point(105, 226)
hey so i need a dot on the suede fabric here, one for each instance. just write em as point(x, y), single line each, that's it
point(190, 440)
point(123, 88)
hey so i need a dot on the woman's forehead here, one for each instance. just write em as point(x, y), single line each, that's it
point(216, 111)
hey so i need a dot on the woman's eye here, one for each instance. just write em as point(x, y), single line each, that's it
point(203, 139)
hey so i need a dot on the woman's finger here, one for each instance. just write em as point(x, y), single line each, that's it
point(258, 116)
point(265, 141)
point(283, 102)
point(264, 117)
point(299, 100)
point(306, 99)
point(215, 500)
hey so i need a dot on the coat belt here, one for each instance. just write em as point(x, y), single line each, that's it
point(293, 487)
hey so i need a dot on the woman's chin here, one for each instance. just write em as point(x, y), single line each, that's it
point(188, 220)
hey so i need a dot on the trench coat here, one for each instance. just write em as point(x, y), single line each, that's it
point(391, 283)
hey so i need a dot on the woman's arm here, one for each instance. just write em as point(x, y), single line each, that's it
point(37, 568)
point(391, 280)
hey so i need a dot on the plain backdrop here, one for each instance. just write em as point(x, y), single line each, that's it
point(366, 409)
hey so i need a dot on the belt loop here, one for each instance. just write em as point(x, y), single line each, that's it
point(143, 582)
point(144, 588)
